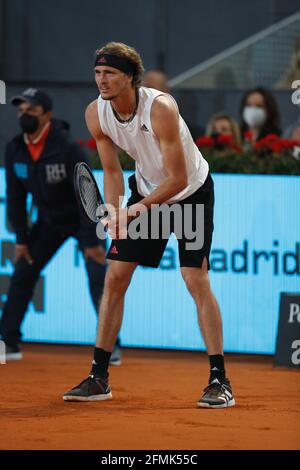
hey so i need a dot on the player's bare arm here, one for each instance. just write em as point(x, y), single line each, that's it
point(165, 124)
point(108, 153)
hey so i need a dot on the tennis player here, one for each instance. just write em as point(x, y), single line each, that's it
point(169, 169)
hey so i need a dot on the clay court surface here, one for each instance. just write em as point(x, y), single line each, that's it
point(153, 405)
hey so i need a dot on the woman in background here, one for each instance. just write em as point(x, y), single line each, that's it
point(259, 114)
point(224, 124)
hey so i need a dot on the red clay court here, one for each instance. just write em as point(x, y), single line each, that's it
point(153, 405)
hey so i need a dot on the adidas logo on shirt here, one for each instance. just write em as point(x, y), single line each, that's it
point(144, 128)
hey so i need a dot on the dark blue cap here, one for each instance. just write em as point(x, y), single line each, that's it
point(35, 97)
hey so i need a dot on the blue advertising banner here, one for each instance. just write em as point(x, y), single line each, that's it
point(255, 256)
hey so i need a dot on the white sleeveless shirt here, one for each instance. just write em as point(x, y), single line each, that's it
point(139, 141)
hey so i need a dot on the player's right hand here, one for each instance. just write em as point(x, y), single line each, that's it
point(22, 251)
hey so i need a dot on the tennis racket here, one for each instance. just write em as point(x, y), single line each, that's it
point(87, 193)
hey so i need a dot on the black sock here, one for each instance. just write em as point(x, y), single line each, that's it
point(217, 368)
point(100, 362)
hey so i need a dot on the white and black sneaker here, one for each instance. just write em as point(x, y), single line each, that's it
point(13, 352)
point(217, 395)
point(94, 388)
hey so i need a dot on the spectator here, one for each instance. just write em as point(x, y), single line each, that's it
point(293, 72)
point(296, 133)
point(293, 131)
point(156, 79)
point(159, 81)
point(224, 124)
point(259, 114)
point(41, 160)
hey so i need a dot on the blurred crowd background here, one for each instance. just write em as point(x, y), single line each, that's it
point(229, 64)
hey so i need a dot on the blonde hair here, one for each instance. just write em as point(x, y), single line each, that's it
point(122, 50)
point(233, 124)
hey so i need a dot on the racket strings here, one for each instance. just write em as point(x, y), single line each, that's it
point(88, 193)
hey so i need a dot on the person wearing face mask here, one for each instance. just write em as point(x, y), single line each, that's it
point(259, 114)
point(41, 161)
point(223, 124)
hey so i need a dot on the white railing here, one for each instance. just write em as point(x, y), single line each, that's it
point(260, 59)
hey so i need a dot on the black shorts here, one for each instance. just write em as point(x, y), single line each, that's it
point(148, 252)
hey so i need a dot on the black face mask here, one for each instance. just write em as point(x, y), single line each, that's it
point(29, 123)
point(217, 145)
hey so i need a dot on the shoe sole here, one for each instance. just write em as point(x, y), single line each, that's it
point(14, 356)
point(107, 396)
point(225, 405)
point(115, 363)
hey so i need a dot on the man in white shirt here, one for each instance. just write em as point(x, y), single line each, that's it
point(169, 170)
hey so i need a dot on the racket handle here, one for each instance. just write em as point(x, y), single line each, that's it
point(102, 212)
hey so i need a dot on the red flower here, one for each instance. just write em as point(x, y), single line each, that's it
point(274, 144)
point(225, 139)
point(276, 147)
point(235, 147)
point(287, 143)
point(219, 141)
point(205, 141)
point(271, 138)
point(248, 135)
point(91, 144)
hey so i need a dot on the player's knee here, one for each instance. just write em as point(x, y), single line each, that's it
point(197, 284)
point(116, 281)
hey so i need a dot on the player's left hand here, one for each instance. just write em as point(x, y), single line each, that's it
point(118, 223)
point(97, 253)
